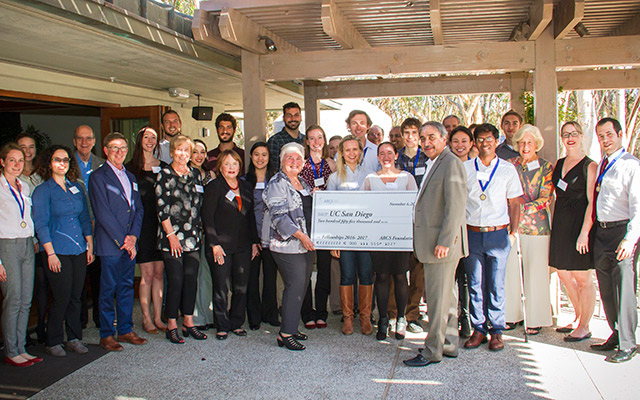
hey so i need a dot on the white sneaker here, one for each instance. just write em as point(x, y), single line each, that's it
point(401, 328)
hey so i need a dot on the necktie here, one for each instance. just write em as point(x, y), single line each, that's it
point(596, 189)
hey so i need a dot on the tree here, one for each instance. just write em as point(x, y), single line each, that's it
point(184, 6)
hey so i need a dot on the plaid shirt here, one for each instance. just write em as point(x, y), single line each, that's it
point(409, 164)
point(276, 142)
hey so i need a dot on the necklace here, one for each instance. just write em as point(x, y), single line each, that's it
point(234, 188)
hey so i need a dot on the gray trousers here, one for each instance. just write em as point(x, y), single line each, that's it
point(296, 271)
point(18, 259)
point(442, 309)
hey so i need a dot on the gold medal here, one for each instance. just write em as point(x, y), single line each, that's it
point(23, 224)
point(483, 197)
point(598, 188)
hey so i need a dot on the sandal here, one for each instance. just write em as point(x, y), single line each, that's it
point(194, 332)
point(172, 335)
point(289, 342)
point(533, 331)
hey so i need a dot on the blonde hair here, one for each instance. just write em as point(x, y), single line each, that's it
point(534, 131)
point(341, 169)
point(177, 142)
point(574, 124)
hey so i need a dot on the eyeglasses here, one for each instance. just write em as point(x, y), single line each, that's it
point(61, 160)
point(116, 149)
point(488, 139)
point(566, 135)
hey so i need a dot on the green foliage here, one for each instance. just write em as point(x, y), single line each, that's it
point(566, 104)
point(9, 134)
point(184, 6)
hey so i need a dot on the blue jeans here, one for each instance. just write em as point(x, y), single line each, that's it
point(355, 262)
point(486, 267)
point(116, 280)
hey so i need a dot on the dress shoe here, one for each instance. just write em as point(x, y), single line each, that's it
point(496, 343)
point(571, 339)
point(31, 358)
point(418, 361)
point(321, 324)
point(476, 340)
point(26, 363)
point(610, 344)
point(310, 325)
point(254, 327)
point(622, 355)
point(132, 338)
point(110, 344)
point(76, 346)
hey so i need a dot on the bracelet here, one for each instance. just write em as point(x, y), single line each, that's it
point(171, 233)
point(52, 254)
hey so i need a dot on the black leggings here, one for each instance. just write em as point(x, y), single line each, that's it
point(322, 290)
point(401, 288)
point(182, 282)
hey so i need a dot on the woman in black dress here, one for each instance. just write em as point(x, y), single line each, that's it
point(574, 178)
point(145, 166)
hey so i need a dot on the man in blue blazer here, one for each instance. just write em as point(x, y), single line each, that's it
point(118, 211)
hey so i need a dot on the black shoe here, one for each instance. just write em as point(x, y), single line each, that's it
point(239, 332)
point(571, 339)
point(509, 326)
point(418, 361)
point(383, 328)
point(300, 336)
point(289, 342)
point(172, 335)
point(254, 327)
point(622, 355)
point(222, 335)
point(610, 344)
point(194, 332)
point(204, 327)
point(465, 326)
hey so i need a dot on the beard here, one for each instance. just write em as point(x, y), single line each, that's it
point(225, 140)
point(292, 125)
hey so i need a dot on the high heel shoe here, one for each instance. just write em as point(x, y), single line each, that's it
point(300, 336)
point(289, 342)
point(383, 328)
point(172, 335)
point(194, 332)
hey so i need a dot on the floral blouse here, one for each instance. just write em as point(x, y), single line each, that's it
point(308, 175)
point(180, 199)
point(537, 185)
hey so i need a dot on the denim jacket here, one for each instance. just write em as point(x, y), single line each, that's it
point(283, 215)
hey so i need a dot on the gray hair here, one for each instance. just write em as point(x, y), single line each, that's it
point(534, 131)
point(292, 147)
point(436, 125)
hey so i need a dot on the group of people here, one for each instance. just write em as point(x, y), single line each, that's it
point(205, 226)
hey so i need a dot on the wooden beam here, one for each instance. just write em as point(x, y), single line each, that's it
point(217, 5)
point(567, 15)
point(518, 85)
point(253, 102)
point(55, 99)
point(598, 52)
point(244, 32)
point(336, 25)
point(493, 57)
point(435, 19)
point(631, 27)
point(599, 79)
point(311, 104)
point(545, 89)
point(540, 16)
point(441, 85)
point(204, 27)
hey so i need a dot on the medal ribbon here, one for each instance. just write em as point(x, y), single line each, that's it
point(313, 166)
point(601, 175)
point(483, 188)
point(21, 205)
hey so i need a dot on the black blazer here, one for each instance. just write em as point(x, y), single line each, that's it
point(223, 223)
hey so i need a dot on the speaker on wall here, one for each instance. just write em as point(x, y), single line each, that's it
point(202, 113)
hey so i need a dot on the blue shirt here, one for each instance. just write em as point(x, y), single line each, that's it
point(61, 218)
point(85, 168)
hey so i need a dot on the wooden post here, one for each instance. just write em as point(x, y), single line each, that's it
point(517, 89)
point(253, 102)
point(545, 91)
point(311, 104)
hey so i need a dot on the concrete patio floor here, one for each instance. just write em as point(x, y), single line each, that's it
point(336, 366)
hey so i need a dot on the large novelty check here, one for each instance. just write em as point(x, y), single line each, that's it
point(363, 220)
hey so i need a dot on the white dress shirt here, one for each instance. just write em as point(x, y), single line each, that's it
point(619, 196)
point(10, 217)
point(493, 211)
point(370, 157)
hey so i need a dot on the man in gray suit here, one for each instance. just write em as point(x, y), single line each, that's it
point(439, 241)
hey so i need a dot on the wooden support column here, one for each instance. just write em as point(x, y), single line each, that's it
point(545, 91)
point(253, 102)
point(517, 89)
point(311, 104)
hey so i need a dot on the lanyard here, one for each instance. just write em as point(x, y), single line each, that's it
point(490, 176)
point(21, 205)
point(313, 166)
point(415, 162)
point(599, 180)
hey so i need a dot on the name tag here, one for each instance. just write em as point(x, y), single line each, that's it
point(482, 176)
point(230, 195)
point(319, 181)
point(199, 189)
point(74, 190)
point(259, 185)
point(392, 185)
point(135, 186)
point(155, 170)
point(420, 170)
point(533, 165)
point(304, 192)
point(562, 185)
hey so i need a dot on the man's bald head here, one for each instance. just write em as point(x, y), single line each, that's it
point(84, 140)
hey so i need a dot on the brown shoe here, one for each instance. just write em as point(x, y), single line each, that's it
point(110, 344)
point(476, 340)
point(365, 295)
point(496, 343)
point(346, 298)
point(132, 338)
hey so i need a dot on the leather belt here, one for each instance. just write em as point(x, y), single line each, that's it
point(612, 224)
point(486, 228)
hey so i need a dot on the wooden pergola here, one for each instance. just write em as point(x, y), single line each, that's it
point(409, 48)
